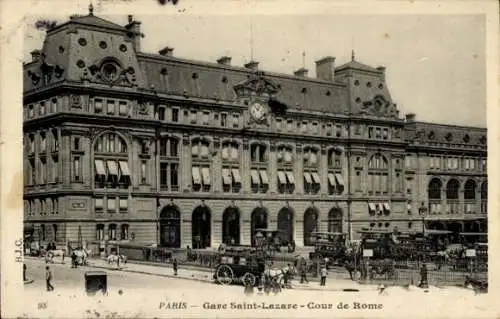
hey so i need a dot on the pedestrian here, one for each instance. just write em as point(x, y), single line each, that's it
point(175, 266)
point(423, 277)
point(74, 263)
point(303, 271)
point(323, 275)
point(24, 272)
point(286, 274)
point(48, 278)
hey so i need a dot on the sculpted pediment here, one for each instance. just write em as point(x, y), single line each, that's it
point(256, 84)
point(379, 106)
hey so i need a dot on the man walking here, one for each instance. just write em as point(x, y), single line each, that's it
point(48, 278)
point(175, 266)
point(323, 275)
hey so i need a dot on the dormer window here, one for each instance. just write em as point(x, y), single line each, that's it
point(449, 137)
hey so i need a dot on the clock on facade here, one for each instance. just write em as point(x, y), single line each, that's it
point(257, 111)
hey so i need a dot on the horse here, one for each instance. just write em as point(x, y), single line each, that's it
point(275, 277)
point(50, 254)
point(116, 259)
point(82, 256)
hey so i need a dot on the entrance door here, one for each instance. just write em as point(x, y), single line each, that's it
point(170, 227)
point(285, 225)
point(231, 226)
point(310, 226)
point(201, 227)
point(259, 220)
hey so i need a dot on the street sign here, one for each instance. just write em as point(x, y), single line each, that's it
point(367, 252)
point(470, 253)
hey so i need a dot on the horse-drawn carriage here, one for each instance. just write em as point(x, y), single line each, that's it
point(376, 249)
point(330, 246)
point(240, 264)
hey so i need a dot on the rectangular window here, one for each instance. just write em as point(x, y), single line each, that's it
point(111, 107)
point(236, 120)
point(31, 111)
point(193, 117)
point(378, 133)
point(43, 172)
point(223, 120)
point(112, 205)
point(338, 130)
point(385, 134)
point(163, 176)
point(100, 232)
point(123, 205)
point(174, 148)
point(278, 124)
point(42, 108)
point(315, 128)
point(98, 106)
point(144, 179)
point(76, 169)
point(205, 118)
point(175, 115)
point(329, 129)
point(161, 113)
point(123, 108)
point(53, 106)
point(99, 205)
point(289, 125)
point(304, 126)
point(174, 176)
point(370, 132)
point(55, 166)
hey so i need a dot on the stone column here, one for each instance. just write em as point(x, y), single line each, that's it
point(298, 169)
point(245, 167)
point(272, 169)
point(185, 165)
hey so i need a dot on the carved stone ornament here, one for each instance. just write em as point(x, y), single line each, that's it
point(110, 71)
point(379, 106)
point(256, 85)
point(144, 108)
point(45, 73)
point(75, 101)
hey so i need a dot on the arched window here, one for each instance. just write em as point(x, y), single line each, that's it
point(378, 172)
point(231, 178)
point(434, 191)
point(470, 190)
point(452, 189)
point(335, 179)
point(112, 231)
point(312, 182)
point(111, 162)
point(200, 169)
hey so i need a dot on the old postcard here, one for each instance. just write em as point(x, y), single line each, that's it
point(238, 159)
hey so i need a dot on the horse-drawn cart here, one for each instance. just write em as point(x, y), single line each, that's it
point(240, 265)
point(330, 246)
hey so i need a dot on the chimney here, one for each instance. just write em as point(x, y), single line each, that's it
point(325, 68)
point(35, 55)
point(134, 32)
point(302, 72)
point(252, 65)
point(224, 60)
point(410, 117)
point(166, 51)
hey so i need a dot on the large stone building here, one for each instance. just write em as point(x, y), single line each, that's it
point(128, 146)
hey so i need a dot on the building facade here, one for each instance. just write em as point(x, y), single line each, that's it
point(126, 146)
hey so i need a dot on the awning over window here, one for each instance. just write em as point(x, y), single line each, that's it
point(387, 207)
point(331, 179)
point(290, 177)
point(124, 168)
point(307, 177)
point(112, 168)
point(282, 177)
point(339, 179)
point(255, 177)
point(226, 176)
point(99, 167)
point(264, 178)
point(196, 175)
point(316, 178)
point(236, 175)
point(380, 206)
point(205, 173)
point(372, 207)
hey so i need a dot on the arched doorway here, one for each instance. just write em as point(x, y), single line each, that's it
point(231, 226)
point(201, 227)
point(259, 220)
point(310, 225)
point(285, 225)
point(170, 227)
point(335, 220)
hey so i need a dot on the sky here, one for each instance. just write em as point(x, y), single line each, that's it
point(436, 64)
